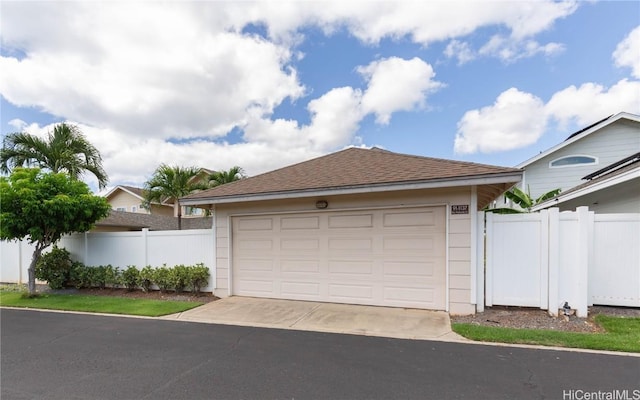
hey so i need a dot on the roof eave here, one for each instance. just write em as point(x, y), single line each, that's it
point(487, 179)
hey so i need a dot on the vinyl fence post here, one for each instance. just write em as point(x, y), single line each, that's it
point(20, 262)
point(480, 262)
point(85, 237)
point(583, 262)
point(489, 259)
point(145, 247)
point(554, 260)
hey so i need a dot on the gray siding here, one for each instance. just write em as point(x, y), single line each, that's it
point(610, 144)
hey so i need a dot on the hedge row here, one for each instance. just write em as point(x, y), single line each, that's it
point(57, 269)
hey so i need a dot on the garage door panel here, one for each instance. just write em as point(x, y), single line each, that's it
point(350, 292)
point(295, 223)
point(254, 244)
point(408, 269)
point(406, 219)
point(413, 243)
point(255, 224)
point(299, 288)
point(347, 243)
point(303, 266)
point(350, 221)
point(252, 265)
point(339, 268)
point(253, 287)
point(373, 257)
point(299, 244)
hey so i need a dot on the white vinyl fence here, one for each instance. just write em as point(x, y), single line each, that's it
point(545, 259)
point(120, 249)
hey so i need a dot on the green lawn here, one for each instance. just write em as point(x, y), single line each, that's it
point(97, 304)
point(622, 334)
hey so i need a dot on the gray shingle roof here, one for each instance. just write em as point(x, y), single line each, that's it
point(137, 221)
point(349, 168)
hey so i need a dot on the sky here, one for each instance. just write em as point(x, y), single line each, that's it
point(262, 85)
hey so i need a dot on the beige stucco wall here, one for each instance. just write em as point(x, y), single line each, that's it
point(459, 231)
point(122, 199)
point(126, 200)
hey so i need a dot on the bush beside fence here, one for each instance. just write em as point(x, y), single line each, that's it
point(59, 271)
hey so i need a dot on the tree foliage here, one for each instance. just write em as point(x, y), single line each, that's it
point(42, 207)
point(524, 200)
point(65, 149)
point(170, 183)
point(221, 177)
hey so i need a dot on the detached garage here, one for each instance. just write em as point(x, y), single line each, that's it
point(360, 226)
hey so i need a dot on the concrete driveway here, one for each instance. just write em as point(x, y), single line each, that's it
point(324, 317)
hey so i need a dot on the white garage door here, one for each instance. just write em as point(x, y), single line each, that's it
point(391, 257)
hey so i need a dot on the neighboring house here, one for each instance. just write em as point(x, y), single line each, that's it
point(598, 147)
point(613, 189)
point(120, 221)
point(359, 226)
point(129, 199)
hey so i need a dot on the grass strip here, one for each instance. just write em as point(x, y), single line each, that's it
point(622, 334)
point(97, 304)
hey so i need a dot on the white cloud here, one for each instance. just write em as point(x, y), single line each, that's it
point(335, 118)
point(396, 84)
point(18, 124)
point(460, 50)
point(590, 102)
point(510, 50)
point(627, 53)
point(163, 70)
point(516, 119)
point(427, 22)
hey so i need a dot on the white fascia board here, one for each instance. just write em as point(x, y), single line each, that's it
point(565, 143)
point(624, 177)
point(510, 177)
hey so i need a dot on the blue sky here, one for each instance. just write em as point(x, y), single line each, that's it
point(263, 85)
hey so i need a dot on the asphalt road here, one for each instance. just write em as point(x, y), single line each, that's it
point(69, 356)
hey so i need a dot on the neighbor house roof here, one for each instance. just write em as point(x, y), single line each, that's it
point(574, 137)
point(134, 191)
point(614, 174)
point(357, 170)
point(136, 221)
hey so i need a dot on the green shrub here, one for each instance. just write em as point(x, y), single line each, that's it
point(80, 275)
point(162, 277)
point(198, 277)
point(131, 277)
point(112, 276)
point(55, 268)
point(179, 277)
point(98, 276)
point(146, 277)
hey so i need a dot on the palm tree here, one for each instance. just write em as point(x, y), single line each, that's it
point(221, 177)
point(64, 150)
point(172, 183)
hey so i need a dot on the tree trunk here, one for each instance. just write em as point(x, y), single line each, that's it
point(32, 269)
